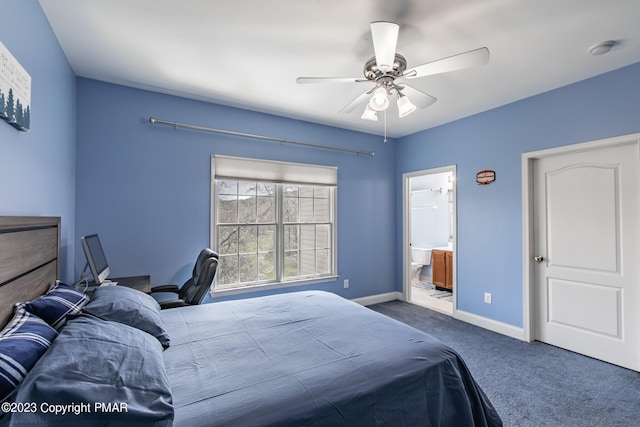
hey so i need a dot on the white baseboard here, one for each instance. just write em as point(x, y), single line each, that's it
point(379, 298)
point(490, 324)
point(474, 319)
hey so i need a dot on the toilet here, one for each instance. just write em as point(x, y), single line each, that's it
point(419, 258)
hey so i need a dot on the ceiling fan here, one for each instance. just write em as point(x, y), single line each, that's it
point(387, 70)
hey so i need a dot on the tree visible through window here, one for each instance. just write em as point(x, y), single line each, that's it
point(270, 232)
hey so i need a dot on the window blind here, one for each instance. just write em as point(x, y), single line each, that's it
point(270, 170)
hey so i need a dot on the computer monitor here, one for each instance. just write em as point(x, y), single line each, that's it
point(95, 258)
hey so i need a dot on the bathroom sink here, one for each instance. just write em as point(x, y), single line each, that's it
point(444, 248)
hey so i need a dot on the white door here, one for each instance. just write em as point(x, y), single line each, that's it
point(586, 219)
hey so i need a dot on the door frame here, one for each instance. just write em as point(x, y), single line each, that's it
point(528, 266)
point(406, 230)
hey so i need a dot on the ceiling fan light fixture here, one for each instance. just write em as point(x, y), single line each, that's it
point(370, 114)
point(386, 71)
point(405, 106)
point(380, 100)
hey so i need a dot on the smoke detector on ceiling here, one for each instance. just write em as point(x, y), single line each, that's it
point(601, 48)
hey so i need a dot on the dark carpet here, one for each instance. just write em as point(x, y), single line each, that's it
point(532, 384)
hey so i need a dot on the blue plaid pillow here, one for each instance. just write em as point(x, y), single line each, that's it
point(22, 342)
point(54, 307)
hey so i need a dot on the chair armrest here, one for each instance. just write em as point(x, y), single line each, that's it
point(165, 288)
point(173, 304)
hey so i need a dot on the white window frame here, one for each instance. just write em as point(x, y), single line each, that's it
point(247, 169)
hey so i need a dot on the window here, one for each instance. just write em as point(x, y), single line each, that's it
point(274, 223)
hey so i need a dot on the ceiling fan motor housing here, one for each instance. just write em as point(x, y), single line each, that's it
point(373, 73)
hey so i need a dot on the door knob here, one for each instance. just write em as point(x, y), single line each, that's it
point(538, 258)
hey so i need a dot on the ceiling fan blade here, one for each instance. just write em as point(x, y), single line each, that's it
point(364, 96)
point(308, 80)
point(385, 38)
point(418, 97)
point(469, 59)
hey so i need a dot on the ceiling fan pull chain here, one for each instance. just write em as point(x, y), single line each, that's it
point(385, 126)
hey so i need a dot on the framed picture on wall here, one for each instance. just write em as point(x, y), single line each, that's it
point(15, 91)
point(485, 177)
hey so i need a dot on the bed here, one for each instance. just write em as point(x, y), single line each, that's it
point(298, 359)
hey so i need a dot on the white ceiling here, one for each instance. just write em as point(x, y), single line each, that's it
point(248, 53)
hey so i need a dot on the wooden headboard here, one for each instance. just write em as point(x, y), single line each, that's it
point(29, 259)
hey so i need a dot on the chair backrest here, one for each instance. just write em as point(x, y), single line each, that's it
point(197, 266)
point(204, 272)
point(202, 256)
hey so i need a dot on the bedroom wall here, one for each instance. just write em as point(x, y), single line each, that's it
point(37, 168)
point(145, 189)
point(489, 233)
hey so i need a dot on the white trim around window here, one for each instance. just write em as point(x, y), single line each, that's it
point(273, 223)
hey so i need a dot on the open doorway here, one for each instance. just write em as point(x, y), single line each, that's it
point(429, 224)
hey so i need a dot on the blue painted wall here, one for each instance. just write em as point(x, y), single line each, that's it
point(489, 233)
point(37, 168)
point(146, 188)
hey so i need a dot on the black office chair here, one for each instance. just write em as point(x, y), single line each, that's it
point(192, 292)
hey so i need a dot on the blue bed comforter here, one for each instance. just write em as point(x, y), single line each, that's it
point(313, 359)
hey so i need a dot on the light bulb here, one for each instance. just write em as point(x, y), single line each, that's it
point(405, 106)
point(380, 100)
point(370, 114)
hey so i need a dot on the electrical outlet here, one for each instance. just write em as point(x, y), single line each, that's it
point(346, 283)
point(487, 297)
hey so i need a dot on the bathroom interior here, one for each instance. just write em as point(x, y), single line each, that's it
point(432, 211)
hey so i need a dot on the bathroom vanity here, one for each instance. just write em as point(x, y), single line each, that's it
point(442, 268)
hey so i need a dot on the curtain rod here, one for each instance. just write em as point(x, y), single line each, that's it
point(250, 135)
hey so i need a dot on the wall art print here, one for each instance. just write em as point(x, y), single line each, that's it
point(15, 91)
